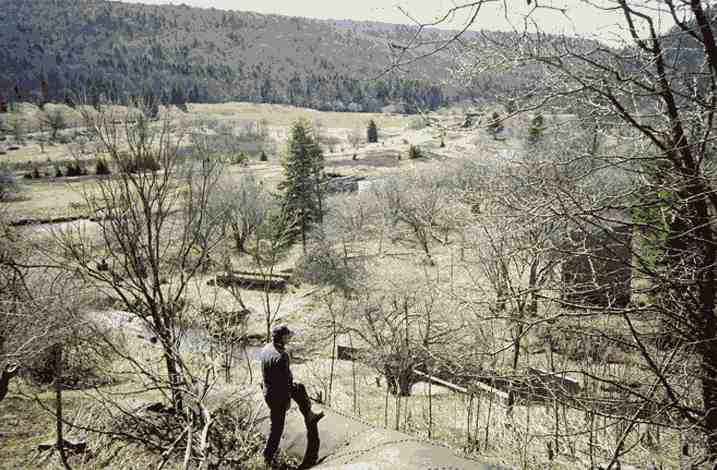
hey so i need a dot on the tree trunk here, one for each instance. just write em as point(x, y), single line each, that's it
point(228, 362)
point(303, 230)
point(175, 382)
point(533, 288)
point(239, 241)
point(59, 438)
point(7, 374)
point(391, 385)
point(405, 381)
point(709, 392)
point(502, 287)
point(333, 361)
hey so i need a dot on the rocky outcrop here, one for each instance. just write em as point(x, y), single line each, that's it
point(347, 443)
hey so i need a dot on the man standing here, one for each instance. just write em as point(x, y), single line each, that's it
point(279, 388)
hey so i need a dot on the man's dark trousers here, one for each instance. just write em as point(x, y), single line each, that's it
point(278, 409)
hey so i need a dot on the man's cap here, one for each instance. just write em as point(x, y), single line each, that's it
point(281, 329)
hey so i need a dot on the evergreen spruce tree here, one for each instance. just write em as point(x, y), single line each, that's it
point(150, 103)
point(535, 132)
point(93, 96)
point(45, 91)
point(495, 126)
point(179, 98)
point(414, 152)
point(303, 186)
point(70, 99)
point(164, 99)
point(372, 132)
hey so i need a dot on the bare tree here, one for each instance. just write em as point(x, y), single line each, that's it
point(355, 138)
point(246, 204)
point(659, 84)
point(228, 333)
point(154, 236)
point(53, 118)
point(421, 202)
point(397, 324)
point(34, 314)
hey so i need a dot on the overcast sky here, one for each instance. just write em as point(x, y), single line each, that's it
point(580, 20)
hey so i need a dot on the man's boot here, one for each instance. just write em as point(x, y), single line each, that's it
point(310, 417)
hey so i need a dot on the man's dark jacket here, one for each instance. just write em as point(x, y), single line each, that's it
point(276, 372)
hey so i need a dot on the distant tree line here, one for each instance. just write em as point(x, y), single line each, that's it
point(336, 93)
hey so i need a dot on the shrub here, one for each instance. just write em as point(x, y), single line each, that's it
point(263, 157)
point(495, 126)
point(417, 123)
point(58, 172)
point(238, 158)
point(101, 167)
point(17, 125)
point(55, 120)
point(414, 152)
point(74, 169)
point(8, 184)
point(511, 106)
point(83, 365)
point(323, 265)
point(372, 132)
point(36, 173)
point(535, 132)
point(137, 165)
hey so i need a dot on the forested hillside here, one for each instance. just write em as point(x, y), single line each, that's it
point(207, 55)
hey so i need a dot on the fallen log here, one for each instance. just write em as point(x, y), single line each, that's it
point(436, 380)
point(262, 275)
point(273, 283)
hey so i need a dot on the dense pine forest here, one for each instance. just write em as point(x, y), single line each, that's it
point(206, 55)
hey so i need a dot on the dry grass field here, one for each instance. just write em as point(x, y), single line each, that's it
point(41, 198)
point(284, 116)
